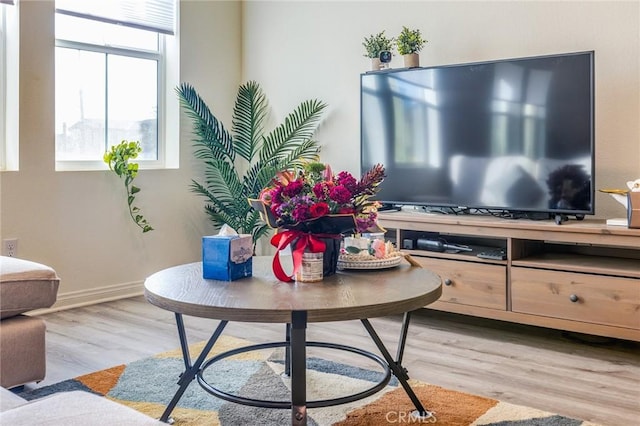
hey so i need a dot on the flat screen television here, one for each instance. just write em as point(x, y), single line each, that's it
point(512, 135)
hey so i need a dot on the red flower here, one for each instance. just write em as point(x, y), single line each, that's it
point(293, 188)
point(348, 181)
point(319, 209)
point(319, 190)
point(340, 194)
point(276, 194)
point(314, 192)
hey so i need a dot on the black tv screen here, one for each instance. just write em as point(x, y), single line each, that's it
point(513, 135)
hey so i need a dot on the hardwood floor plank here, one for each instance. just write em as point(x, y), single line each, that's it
point(593, 379)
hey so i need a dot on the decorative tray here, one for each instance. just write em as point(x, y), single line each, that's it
point(350, 261)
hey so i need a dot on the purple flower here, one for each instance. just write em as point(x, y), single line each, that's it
point(301, 213)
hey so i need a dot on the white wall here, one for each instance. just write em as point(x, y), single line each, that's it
point(303, 49)
point(78, 222)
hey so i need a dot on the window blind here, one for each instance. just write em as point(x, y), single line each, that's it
point(152, 15)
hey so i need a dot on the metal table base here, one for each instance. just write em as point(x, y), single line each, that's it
point(295, 366)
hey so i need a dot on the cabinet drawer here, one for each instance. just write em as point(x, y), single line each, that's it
point(469, 283)
point(595, 299)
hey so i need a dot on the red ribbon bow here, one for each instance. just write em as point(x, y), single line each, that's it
point(304, 241)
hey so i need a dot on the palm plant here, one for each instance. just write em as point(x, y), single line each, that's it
point(241, 162)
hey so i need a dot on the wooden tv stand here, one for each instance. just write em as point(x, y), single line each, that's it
point(580, 276)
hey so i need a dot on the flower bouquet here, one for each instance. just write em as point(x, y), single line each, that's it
point(313, 209)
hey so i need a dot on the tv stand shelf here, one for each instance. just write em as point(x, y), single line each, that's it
point(581, 276)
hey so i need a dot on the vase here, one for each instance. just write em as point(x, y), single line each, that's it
point(323, 234)
point(411, 60)
point(311, 269)
point(316, 266)
point(375, 64)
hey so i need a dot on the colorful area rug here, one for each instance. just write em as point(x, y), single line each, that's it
point(149, 384)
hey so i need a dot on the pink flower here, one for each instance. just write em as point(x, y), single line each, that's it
point(379, 248)
point(365, 221)
point(265, 196)
point(327, 174)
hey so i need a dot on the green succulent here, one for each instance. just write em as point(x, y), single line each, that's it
point(376, 43)
point(241, 162)
point(409, 41)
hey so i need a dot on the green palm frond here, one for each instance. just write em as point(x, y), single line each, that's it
point(305, 151)
point(258, 227)
point(222, 179)
point(219, 218)
point(213, 140)
point(298, 126)
point(256, 178)
point(238, 167)
point(218, 211)
point(249, 114)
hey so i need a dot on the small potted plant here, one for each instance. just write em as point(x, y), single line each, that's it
point(409, 44)
point(376, 44)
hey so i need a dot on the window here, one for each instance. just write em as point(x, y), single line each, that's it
point(114, 81)
point(8, 86)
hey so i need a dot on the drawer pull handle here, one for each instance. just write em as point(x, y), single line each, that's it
point(448, 282)
point(574, 298)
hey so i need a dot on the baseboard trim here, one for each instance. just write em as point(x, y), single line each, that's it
point(76, 299)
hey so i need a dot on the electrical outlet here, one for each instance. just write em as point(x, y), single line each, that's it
point(10, 247)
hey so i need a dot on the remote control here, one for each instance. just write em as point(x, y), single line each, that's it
point(494, 254)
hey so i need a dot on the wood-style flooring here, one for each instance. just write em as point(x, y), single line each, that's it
point(591, 378)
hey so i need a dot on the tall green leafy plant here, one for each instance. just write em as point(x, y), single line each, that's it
point(240, 162)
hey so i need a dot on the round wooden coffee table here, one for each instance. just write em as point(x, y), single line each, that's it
point(347, 295)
